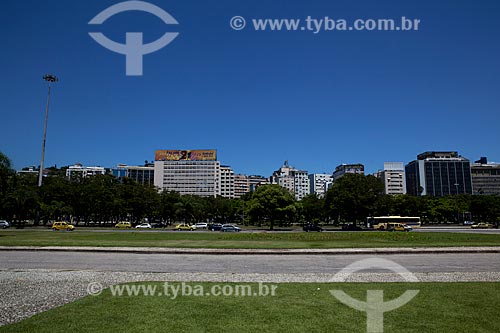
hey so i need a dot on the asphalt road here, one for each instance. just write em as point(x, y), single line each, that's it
point(239, 264)
point(452, 229)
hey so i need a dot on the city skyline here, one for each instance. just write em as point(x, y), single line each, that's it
point(199, 172)
point(227, 163)
point(316, 100)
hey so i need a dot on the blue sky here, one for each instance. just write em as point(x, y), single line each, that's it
point(259, 98)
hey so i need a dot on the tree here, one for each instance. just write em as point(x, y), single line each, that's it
point(56, 199)
point(167, 209)
point(311, 209)
point(485, 208)
point(352, 197)
point(137, 201)
point(271, 203)
point(21, 200)
point(5, 173)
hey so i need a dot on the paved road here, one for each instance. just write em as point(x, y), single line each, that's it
point(466, 230)
point(238, 264)
point(452, 229)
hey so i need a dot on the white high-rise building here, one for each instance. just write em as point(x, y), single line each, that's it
point(227, 189)
point(296, 181)
point(394, 178)
point(193, 172)
point(301, 186)
point(318, 183)
point(283, 177)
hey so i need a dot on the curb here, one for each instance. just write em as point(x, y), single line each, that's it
point(205, 251)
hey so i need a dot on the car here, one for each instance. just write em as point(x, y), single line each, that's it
point(380, 226)
point(143, 226)
point(351, 227)
point(398, 227)
point(215, 227)
point(159, 225)
point(229, 228)
point(469, 222)
point(123, 225)
point(4, 224)
point(201, 225)
point(482, 226)
point(62, 226)
point(184, 226)
point(312, 227)
point(408, 228)
point(392, 226)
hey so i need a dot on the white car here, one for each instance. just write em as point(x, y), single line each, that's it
point(4, 224)
point(201, 225)
point(143, 226)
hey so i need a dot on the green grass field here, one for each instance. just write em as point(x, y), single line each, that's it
point(297, 240)
point(439, 307)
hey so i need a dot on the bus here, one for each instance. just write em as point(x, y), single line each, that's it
point(413, 222)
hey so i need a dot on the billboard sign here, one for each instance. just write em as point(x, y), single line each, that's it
point(186, 155)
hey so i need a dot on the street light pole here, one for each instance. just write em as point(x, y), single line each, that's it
point(50, 79)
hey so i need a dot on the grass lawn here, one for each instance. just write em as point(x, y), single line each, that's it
point(299, 240)
point(439, 307)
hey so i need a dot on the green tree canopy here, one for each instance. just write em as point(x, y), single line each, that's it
point(270, 204)
point(352, 197)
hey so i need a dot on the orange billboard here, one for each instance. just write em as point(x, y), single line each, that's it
point(186, 155)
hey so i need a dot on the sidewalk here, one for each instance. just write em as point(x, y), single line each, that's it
point(205, 251)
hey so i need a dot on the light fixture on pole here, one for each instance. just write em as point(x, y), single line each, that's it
point(50, 79)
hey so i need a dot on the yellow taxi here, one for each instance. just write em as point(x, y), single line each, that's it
point(399, 227)
point(123, 225)
point(62, 226)
point(188, 227)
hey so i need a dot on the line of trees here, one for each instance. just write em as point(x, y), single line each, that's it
point(105, 200)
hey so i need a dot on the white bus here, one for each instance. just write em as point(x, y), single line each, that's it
point(413, 222)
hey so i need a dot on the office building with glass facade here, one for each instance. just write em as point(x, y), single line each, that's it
point(438, 174)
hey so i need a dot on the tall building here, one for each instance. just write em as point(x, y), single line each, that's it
point(485, 177)
point(244, 184)
point(439, 174)
point(296, 181)
point(301, 184)
point(141, 174)
point(193, 172)
point(348, 168)
point(227, 189)
point(394, 178)
point(283, 177)
point(255, 181)
point(241, 185)
point(318, 183)
point(80, 171)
